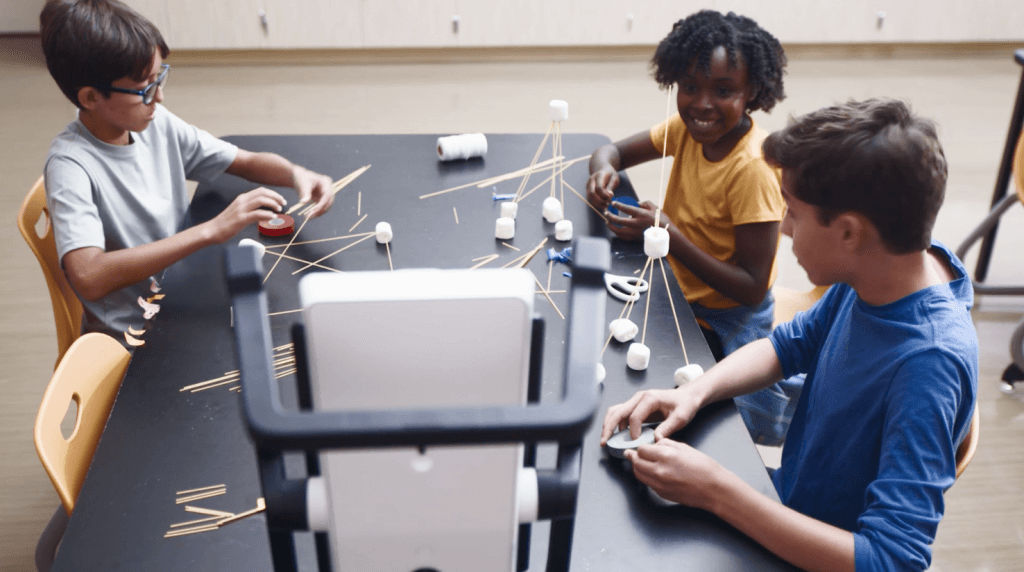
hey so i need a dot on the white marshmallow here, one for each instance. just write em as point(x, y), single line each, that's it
point(259, 246)
point(601, 373)
point(638, 356)
point(688, 373)
point(656, 242)
point(623, 329)
point(563, 230)
point(552, 209)
point(505, 228)
point(559, 110)
point(384, 234)
point(509, 209)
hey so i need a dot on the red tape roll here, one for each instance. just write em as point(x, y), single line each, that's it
point(279, 226)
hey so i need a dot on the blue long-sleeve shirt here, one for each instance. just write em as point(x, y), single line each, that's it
point(889, 395)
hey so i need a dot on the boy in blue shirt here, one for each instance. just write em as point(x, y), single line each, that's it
point(115, 177)
point(890, 353)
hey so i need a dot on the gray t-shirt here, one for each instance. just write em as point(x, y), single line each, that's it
point(122, 196)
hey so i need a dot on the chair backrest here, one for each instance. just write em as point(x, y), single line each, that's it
point(89, 374)
point(67, 309)
point(965, 452)
point(788, 302)
point(1018, 167)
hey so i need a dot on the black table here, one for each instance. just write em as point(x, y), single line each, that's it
point(160, 440)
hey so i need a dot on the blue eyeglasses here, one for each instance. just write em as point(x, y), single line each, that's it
point(149, 92)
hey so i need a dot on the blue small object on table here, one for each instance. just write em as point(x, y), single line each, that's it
point(622, 200)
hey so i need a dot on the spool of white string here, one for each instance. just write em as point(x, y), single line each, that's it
point(465, 146)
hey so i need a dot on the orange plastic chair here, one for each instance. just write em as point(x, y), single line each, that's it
point(965, 452)
point(67, 309)
point(788, 302)
point(89, 374)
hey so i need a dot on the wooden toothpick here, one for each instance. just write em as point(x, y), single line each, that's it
point(456, 215)
point(387, 245)
point(276, 262)
point(342, 249)
point(358, 222)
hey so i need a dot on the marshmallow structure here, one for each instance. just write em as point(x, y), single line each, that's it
point(505, 228)
point(552, 209)
point(688, 373)
point(601, 373)
point(259, 246)
point(384, 234)
point(509, 209)
point(638, 356)
point(563, 230)
point(656, 242)
point(465, 146)
point(559, 110)
point(623, 329)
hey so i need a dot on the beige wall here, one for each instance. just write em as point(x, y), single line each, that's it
point(20, 16)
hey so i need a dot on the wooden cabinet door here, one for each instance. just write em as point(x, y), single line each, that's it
point(409, 23)
point(296, 24)
point(217, 25)
point(547, 23)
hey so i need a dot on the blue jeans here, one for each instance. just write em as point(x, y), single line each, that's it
point(767, 413)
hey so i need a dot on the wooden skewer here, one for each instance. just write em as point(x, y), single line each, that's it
point(371, 235)
point(358, 222)
point(200, 489)
point(283, 255)
point(359, 204)
point(284, 312)
point(564, 166)
point(550, 291)
point(486, 260)
point(186, 531)
point(547, 296)
point(456, 215)
point(260, 507)
point(532, 253)
point(522, 184)
point(387, 245)
point(356, 235)
point(585, 201)
point(485, 182)
point(526, 256)
point(561, 179)
point(208, 511)
point(664, 153)
point(510, 246)
point(679, 331)
point(301, 226)
point(197, 521)
point(554, 153)
point(201, 496)
point(647, 309)
point(337, 186)
point(524, 172)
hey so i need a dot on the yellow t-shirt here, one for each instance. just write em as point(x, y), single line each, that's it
point(705, 200)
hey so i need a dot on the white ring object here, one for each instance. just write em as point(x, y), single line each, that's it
point(509, 209)
point(688, 373)
point(259, 246)
point(316, 505)
point(559, 110)
point(563, 230)
point(505, 228)
point(656, 242)
point(465, 146)
point(552, 209)
point(384, 233)
point(623, 329)
point(638, 357)
point(528, 495)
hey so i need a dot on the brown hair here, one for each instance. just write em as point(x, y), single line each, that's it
point(96, 42)
point(872, 157)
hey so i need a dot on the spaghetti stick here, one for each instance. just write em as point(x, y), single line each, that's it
point(208, 511)
point(197, 521)
point(286, 373)
point(260, 507)
point(486, 260)
point(585, 201)
point(679, 331)
point(545, 181)
point(337, 186)
point(554, 153)
point(456, 215)
point(549, 291)
point(388, 247)
point(483, 183)
point(200, 489)
point(522, 184)
point(647, 309)
point(524, 259)
point(301, 226)
point(358, 222)
point(283, 255)
point(491, 256)
point(551, 265)
point(547, 296)
point(524, 172)
point(371, 235)
point(288, 345)
point(186, 531)
point(356, 235)
point(664, 152)
point(284, 312)
point(201, 496)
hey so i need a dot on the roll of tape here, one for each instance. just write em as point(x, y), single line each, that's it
point(465, 146)
point(280, 225)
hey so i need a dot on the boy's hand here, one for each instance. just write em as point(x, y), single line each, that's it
point(246, 209)
point(601, 188)
point(313, 187)
point(676, 472)
point(675, 407)
point(639, 219)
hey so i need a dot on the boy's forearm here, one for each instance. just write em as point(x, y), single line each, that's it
point(799, 539)
point(751, 368)
point(264, 168)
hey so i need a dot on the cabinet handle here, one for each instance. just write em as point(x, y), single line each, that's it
point(629, 22)
point(455, 24)
point(880, 21)
point(264, 22)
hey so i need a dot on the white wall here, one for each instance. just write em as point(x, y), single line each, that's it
point(20, 16)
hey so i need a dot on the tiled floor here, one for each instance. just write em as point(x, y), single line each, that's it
point(970, 97)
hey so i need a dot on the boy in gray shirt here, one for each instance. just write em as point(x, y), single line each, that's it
point(115, 177)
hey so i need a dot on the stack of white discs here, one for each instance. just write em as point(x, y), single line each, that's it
point(509, 209)
point(559, 110)
point(552, 209)
point(505, 228)
point(384, 234)
point(656, 242)
point(465, 146)
point(563, 230)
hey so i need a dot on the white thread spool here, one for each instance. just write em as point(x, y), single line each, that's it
point(688, 373)
point(259, 246)
point(505, 228)
point(623, 329)
point(552, 209)
point(563, 230)
point(559, 110)
point(465, 146)
point(656, 242)
point(384, 234)
point(638, 357)
point(509, 209)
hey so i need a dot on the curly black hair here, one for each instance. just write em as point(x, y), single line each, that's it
point(697, 35)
